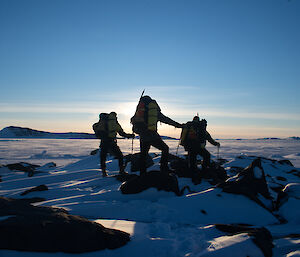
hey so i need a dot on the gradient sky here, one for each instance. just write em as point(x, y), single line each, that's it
point(236, 63)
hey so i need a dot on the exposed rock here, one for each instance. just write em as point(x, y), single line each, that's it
point(125, 177)
point(280, 178)
point(48, 165)
point(37, 188)
point(260, 236)
point(250, 182)
point(290, 190)
point(155, 179)
point(286, 162)
point(295, 172)
point(215, 174)
point(46, 229)
point(23, 166)
point(135, 161)
point(94, 152)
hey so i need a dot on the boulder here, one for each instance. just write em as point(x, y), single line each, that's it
point(134, 159)
point(250, 182)
point(154, 179)
point(46, 229)
point(94, 152)
point(23, 166)
point(260, 236)
point(214, 174)
point(34, 189)
point(291, 190)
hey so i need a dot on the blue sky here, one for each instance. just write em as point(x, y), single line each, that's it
point(236, 63)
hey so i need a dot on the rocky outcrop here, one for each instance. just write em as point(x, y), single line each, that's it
point(291, 190)
point(250, 182)
point(260, 236)
point(134, 159)
point(154, 179)
point(214, 174)
point(34, 189)
point(25, 227)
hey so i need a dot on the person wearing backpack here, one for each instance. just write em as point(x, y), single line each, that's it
point(106, 130)
point(193, 138)
point(144, 122)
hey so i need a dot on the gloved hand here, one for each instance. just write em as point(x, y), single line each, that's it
point(131, 136)
point(218, 144)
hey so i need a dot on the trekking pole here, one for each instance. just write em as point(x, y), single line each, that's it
point(132, 146)
point(177, 148)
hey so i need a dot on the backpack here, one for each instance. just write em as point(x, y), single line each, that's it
point(101, 127)
point(193, 132)
point(145, 116)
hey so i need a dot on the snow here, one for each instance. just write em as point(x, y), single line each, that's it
point(160, 223)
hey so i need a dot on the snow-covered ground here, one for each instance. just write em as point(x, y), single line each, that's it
point(160, 223)
point(64, 151)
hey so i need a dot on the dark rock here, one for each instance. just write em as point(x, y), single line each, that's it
point(46, 229)
point(23, 166)
point(250, 182)
point(290, 190)
point(48, 165)
point(214, 174)
point(281, 178)
point(155, 179)
point(94, 152)
point(260, 236)
point(37, 188)
point(135, 161)
point(294, 172)
point(287, 162)
point(125, 177)
point(180, 167)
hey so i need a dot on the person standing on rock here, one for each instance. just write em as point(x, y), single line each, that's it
point(144, 123)
point(106, 130)
point(193, 138)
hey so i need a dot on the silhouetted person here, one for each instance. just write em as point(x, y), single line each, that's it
point(193, 138)
point(144, 122)
point(106, 130)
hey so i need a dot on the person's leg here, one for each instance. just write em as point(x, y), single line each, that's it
point(161, 145)
point(115, 150)
point(192, 160)
point(103, 154)
point(144, 147)
point(206, 158)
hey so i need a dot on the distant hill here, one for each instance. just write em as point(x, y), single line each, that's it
point(19, 132)
point(295, 138)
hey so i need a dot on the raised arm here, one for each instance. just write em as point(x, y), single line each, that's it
point(167, 120)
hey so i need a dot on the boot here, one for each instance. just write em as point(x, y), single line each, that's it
point(122, 171)
point(164, 168)
point(104, 173)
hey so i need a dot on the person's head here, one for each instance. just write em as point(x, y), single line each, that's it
point(113, 115)
point(196, 119)
point(146, 99)
point(102, 115)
